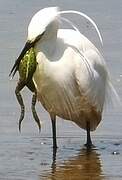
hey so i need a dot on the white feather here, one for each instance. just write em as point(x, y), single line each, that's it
point(88, 18)
point(40, 21)
point(71, 78)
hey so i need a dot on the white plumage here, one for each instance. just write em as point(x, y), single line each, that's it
point(66, 86)
point(71, 77)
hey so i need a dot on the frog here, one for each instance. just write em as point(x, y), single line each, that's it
point(26, 69)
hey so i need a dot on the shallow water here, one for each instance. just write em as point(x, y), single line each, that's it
point(29, 155)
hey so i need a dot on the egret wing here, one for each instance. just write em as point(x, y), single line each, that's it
point(92, 77)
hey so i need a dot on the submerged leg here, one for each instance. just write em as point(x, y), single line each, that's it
point(31, 86)
point(19, 87)
point(53, 119)
point(89, 142)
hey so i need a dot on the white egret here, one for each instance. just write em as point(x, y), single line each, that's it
point(71, 77)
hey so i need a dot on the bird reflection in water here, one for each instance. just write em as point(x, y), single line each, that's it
point(84, 166)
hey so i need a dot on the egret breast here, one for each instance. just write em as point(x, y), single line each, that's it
point(61, 96)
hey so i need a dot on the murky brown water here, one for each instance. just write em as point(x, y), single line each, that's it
point(29, 155)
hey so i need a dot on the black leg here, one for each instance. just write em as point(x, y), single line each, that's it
point(89, 142)
point(53, 167)
point(53, 119)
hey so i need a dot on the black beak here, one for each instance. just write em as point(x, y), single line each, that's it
point(27, 46)
point(14, 69)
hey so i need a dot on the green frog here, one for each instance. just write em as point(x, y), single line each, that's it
point(26, 70)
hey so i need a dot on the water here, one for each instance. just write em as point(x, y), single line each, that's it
point(29, 155)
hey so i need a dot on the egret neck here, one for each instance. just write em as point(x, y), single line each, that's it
point(47, 44)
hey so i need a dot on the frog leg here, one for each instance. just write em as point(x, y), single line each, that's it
point(31, 86)
point(19, 87)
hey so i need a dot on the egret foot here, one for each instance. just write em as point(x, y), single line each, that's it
point(88, 144)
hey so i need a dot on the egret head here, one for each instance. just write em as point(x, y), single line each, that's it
point(43, 24)
point(44, 21)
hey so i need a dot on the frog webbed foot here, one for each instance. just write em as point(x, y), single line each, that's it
point(19, 87)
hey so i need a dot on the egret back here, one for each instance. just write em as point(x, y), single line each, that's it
point(73, 85)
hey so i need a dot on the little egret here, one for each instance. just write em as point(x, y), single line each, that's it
point(71, 76)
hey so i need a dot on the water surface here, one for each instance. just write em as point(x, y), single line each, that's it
point(29, 155)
